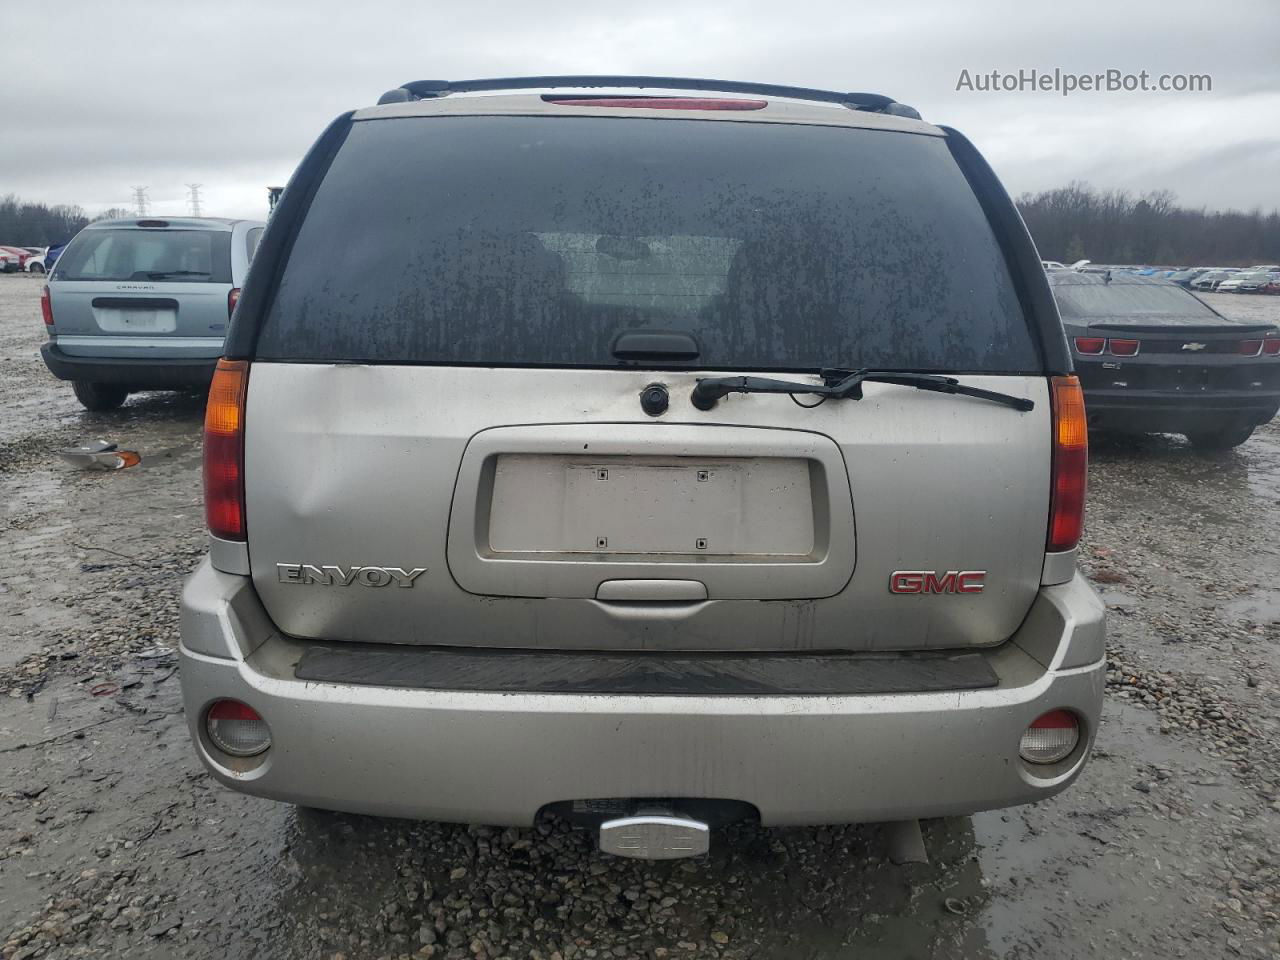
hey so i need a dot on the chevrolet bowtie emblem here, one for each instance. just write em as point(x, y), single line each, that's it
point(1193, 346)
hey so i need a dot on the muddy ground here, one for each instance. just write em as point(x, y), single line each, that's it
point(114, 842)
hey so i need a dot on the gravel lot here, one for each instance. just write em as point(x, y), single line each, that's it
point(113, 842)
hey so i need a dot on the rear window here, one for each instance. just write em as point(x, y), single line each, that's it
point(1082, 301)
point(251, 241)
point(537, 241)
point(190, 256)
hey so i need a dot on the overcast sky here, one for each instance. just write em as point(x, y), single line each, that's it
point(98, 96)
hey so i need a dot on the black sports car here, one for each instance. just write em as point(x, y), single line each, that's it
point(1154, 358)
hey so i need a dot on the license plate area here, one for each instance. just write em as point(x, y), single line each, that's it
point(746, 512)
point(604, 507)
point(135, 316)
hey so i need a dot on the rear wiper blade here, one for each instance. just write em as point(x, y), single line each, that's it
point(846, 385)
point(162, 274)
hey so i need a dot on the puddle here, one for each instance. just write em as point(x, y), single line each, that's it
point(1259, 609)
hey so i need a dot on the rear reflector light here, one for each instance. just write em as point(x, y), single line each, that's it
point(660, 103)
point(1123, 348)
point(1250, 348)
point(46, 307)
point(1070, 465)
point(224, 450)
point(236, 728)
point(233, 297)
point(1090, 344)
point(1050, 738)
point(1270, 348)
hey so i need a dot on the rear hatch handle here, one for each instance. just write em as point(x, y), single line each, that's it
point(845, 385)
point(635, 345)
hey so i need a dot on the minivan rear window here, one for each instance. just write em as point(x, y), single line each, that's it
point(161, 255)
point(538, 240)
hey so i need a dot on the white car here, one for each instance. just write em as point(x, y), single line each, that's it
point(1250, 282)
point(9, 262)
point(36, 264)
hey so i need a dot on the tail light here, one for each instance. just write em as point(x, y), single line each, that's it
point(236, 728)
point(1050, 738)
point(233, 297)
point(224, 450)
point(1123, 348)
point(1090, 345)
point(46, 306)
point(660, 103)
point(1270, 347)
point(1070, 465)
point(1250, 348)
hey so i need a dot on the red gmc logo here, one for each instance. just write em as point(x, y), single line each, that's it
point(930, 581)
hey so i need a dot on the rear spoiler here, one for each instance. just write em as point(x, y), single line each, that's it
point(1179, 330)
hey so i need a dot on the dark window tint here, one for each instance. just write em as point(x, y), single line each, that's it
point(522, 240)
point(195, 256)
point(1083, 301)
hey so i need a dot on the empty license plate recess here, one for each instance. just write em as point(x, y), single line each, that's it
point(135, 315)
point(688, 507)
point(556, 510)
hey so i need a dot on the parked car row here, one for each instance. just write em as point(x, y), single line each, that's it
point(28, 259)
point(1261, 278)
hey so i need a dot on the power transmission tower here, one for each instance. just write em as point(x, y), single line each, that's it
point(140, 201)
point(193, 197)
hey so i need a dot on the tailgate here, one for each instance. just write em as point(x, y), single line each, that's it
point(180, 319)
point(426, 505)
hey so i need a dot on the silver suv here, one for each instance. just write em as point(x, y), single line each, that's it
point(144, 304)
point(621, 476)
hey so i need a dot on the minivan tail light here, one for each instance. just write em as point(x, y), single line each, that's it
point(1270, 346)
point(233, 297)
point(46, 307)
point(1069, 474)
point(224, 450)
point(660, 103)
point(1090, 345)
point(1123, 348)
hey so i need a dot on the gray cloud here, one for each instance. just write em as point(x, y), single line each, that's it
point(104, 95)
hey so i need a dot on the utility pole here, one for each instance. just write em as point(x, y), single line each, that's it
point(140, 200)
point(193, 198)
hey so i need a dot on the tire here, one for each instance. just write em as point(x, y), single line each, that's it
point(1224, 439)
point(99, 396)
point(36, 268)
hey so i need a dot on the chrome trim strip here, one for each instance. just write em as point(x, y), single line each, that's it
point(161, 341)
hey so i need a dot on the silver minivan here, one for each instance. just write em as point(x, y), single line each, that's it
point(144, 304)
point(621, 477)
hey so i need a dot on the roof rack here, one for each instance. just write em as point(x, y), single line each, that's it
point(431, 89)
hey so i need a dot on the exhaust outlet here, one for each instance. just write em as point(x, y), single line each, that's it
point(655, 835)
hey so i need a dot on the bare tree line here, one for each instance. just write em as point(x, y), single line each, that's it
point(37, 224)
point(1078, 222)
point(1074, 222)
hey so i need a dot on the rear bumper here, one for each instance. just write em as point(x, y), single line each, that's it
point(1157, 411)
point(140, 373)
point(501, 757)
